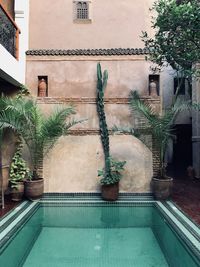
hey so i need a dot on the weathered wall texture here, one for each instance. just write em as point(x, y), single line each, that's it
point(114, 23)
point(73, 163)
point(75, 76)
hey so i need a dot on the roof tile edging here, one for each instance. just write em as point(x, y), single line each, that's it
point(88, 52)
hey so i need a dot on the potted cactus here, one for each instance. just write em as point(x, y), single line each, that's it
point(111, 173)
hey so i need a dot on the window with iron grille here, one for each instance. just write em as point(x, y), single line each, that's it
point(82, 10)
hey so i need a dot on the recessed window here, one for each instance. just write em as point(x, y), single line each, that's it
point(82, 11)
point(156, 79)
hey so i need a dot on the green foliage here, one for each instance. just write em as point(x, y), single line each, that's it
point(160, 127)
point(110, 173)
point(23, 91)
point(177, 36)
point(18, 171)
point(39, 132)
point(115, 174)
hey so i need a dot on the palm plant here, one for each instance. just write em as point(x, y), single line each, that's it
point(159, 126)
point(40, 133)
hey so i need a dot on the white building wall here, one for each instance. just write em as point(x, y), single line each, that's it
point(11, 69)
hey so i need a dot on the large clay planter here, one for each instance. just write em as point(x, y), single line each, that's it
point(5, 174)
point(18, 192)
point(34, 189)
point(110, 192)
point(162, 188)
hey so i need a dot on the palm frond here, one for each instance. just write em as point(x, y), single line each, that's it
point(54, 127)
point(40, 133)
point(144, 110)
point(160, 126)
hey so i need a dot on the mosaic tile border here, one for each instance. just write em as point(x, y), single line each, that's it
point(13, 228)
point(92, 194)
point(12, 215)
point(184, 219)
point(65, 199)
point(182, 234)
point(96, 204)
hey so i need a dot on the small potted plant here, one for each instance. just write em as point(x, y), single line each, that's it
point(110, 181)
point(18, 173)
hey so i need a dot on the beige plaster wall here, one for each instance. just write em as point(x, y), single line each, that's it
point(114, 23)
point(116, 114)
point(76, 76)
point(73, 163)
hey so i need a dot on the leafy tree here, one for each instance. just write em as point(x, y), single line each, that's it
point(177, 36)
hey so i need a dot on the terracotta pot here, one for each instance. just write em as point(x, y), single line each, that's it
point(34, 189)
point(162, 188)
point(110, 192)
point(42, 88)
point(18, 192)
point(5, 174)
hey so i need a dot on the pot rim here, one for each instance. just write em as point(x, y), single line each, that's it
point(34, 181)
point(166, 179)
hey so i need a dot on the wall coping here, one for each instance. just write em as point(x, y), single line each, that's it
point(87, 52)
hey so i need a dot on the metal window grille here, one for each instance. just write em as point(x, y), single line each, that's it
point(82, 10)
point(7, 33)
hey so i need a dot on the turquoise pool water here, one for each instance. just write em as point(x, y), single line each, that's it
point(97, 236)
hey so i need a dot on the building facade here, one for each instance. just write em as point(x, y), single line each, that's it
point(13, 43)
point(66, 40)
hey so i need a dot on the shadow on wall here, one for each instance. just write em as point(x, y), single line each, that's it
point(79, 158)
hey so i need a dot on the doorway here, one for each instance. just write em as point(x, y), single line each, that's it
point(182, 150)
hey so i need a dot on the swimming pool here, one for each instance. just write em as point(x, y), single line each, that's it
point(85, 231)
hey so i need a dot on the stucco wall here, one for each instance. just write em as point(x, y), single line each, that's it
point(73, 163)
point(76, 76)
point(114, 23)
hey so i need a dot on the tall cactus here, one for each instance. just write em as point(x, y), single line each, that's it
point(101, 86)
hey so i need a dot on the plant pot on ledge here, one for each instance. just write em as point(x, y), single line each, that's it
point(17, 192)
point(110, 192)
point(162, 188)
point(34, 188)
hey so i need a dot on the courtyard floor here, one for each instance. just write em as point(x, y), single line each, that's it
point(186, 194)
